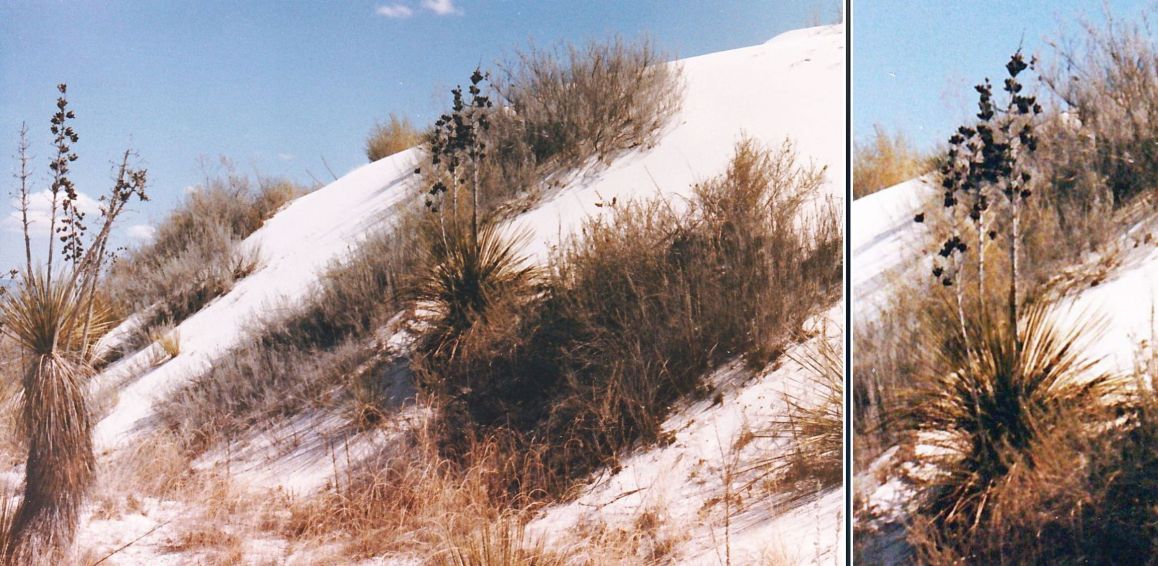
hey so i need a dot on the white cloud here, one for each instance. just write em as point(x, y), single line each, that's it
point(40, 213)
point(141, 232)
point(441, 7)
point(285, 156)
point(397, 11)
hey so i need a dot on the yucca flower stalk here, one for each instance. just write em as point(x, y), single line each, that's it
point(987, 163)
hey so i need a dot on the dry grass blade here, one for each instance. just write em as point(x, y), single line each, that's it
point(814, 424)
point(503, 541)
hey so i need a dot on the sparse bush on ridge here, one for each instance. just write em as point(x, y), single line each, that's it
point(390, 138)
point(555, 109)
point(574, 102)
point(885, 161)
point(194, 256)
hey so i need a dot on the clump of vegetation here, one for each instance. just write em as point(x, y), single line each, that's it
point(502, 541)
point(195, 255)
point(577, 102)
point(638, 307)
point(552, 109)
point(392, 137)
point(1019, 430)
point(293, 359)
point(54, 317)
point(991, 412)
point(885, 161)
point(815, 423)
point(1108, 78)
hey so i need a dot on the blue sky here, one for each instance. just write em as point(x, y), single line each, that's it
point(915, 63)
point(277, 86)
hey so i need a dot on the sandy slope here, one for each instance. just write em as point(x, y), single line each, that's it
point(790, 88)
point(713, 456)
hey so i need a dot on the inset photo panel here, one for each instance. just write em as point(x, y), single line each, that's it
point(423, 282)
point(1004, 245)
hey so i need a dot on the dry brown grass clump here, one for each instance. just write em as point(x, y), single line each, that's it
point(390, 138)
point(1108, 78)
point(638, 307)
point(412, 500)
point(576, 102)
point(555, 109)
point(295, 358)
point(815, 423)
point(885, 161)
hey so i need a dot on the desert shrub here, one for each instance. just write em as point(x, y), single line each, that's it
point(292, 359)
point(985, 407)
point(1108, 77)
point(392, 137)
point(552, 109)
point(195, 257)
point(465, 281)
point(1081, 492)
point(577, 102)
point(885, 161)
point(641, 304)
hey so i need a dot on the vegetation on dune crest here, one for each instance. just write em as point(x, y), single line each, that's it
point(56, 318)
point(195, 255)
point(885, 161)
point(392, 137)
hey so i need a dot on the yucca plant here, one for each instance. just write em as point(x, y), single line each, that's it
point(984, 409)
point(47, 320)
point(465, 279)
point(56, 318)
